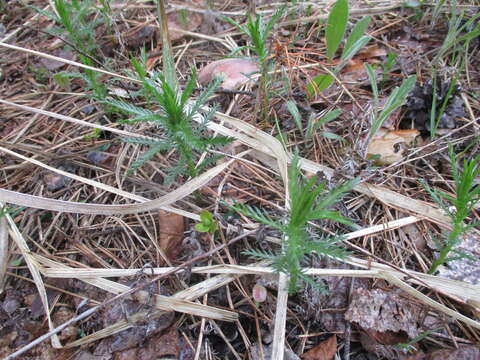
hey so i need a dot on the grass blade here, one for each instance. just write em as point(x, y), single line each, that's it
point(349, 53)
point(336, 26)
point(314, 125)
point(293, 109)
point(373, 83)
point(395, 100)
point(357, 32)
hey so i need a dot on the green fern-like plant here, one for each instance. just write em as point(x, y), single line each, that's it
point(175, 118)
point(309, 201)
point(458, 207)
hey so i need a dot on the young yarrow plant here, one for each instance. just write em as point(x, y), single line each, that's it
point(175, 117)
point(77, 22)
point(309, 202)
point(259, 31)
point(458, 207)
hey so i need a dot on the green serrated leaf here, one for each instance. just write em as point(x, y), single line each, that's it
point(336, 26)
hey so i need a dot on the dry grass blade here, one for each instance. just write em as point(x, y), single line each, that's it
point(66, 61)
point(33, 266)
point(3, 247)
point(99, 185)
point(191, 294)
point(73, 120)
point(161, 302)
point(38, 202)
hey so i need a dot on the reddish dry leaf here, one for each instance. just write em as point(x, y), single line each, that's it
point(355, 69)
point(171, 227)
point(372, 52)
point(390, 145)
point(324, 351)
point(259, 293)
point(61, 316)
point(235, 72)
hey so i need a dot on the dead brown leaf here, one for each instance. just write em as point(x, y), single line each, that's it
point(389, 146)
point(139, 35)
point(355, 69)
point(235, 72)
point(171, 227)
point(160, 346)
point(324, 351)
point(61, 316)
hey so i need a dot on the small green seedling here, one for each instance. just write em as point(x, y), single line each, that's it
point(334, 33)
point(207, 223)
point(460, 33)
point(387, 67)
point(77, 21)
point(394, 101)
point(336, 26)
point(458, 207)
point(309, 202)
point(259, 31)
point(12, 211)
point(314, 123)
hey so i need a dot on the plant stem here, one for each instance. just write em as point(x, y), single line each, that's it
point(451, 242)
point(262, 105)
